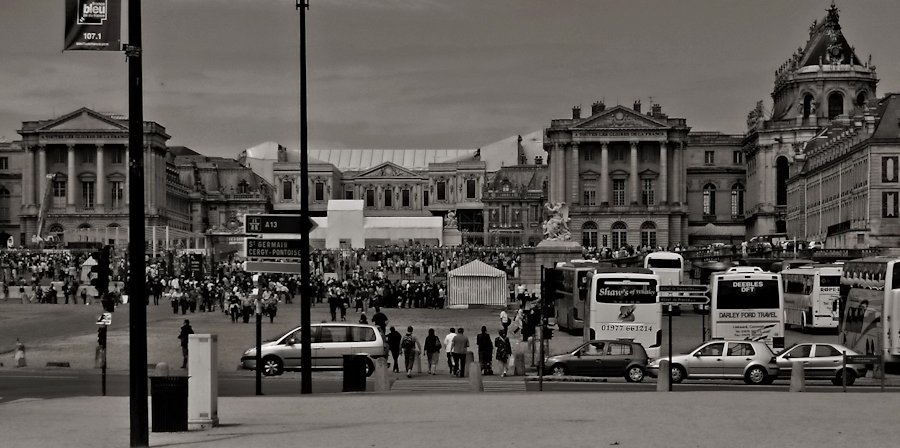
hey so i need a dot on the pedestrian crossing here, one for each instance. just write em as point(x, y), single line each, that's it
point(454, 385)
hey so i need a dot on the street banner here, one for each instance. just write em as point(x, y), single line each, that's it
point(93, 25)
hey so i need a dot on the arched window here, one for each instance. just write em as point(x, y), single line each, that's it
point(807, 105)
point(619, 234)
point(84, 226)
point(781, 177)
point(56, 228)
point(648, 234)
point(835, 105)
point(709, 200)
point(860, 99)
point(4, 205)
point(737, 201)
point(589, 234)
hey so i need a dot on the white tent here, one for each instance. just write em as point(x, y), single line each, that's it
point(476, 284)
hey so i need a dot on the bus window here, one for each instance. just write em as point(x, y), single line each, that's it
point(735, 295)
point(663, 263)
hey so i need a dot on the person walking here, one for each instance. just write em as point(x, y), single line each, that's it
point(381, 320)
point(432, 350)
point(504, 319)
point(460, 346)
point(411, 349)
point(186, 331)
point(393, 339)
point(448, 343)
point(485, 351)
point(504, 350)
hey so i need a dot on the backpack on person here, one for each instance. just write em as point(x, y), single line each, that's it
point(407, 343)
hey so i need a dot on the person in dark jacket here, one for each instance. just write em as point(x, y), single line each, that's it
point(186, 331)
point(394, 344)
point(485, 351)
point(432, 351)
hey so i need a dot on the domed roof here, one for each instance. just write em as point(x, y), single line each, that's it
point(827, 44)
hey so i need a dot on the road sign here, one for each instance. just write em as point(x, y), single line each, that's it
point(683, 299)
point(105, 319)
point(278, 224)
point(863, 359)
point(270, 267)
point(274, 248)
point(696, 289)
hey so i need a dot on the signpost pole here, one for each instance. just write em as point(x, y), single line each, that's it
point(670, 352)
point(305, 339)
point(259, 365)
point(844, 370)
point(103, 365)
point(543, 328)
point(881, 362)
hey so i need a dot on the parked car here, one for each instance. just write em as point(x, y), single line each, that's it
point(330, 342)
point(752, 361)
point(821, 360)
point(601, 358)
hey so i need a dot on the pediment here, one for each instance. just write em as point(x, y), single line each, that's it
point(83, 120)
point(619, 174)
point(387, 170)
point(620, 117)
point(590, 175)
point(648, 174)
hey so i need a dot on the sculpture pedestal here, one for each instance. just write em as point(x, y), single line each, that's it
point(452, 237)
point(547, 254)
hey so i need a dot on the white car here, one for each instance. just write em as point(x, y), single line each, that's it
point(752, 361)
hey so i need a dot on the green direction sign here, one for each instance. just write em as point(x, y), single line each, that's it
point(863, 359)
point(278, 224)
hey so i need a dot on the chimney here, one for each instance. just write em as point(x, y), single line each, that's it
point(576, 113)
point(637, 106)
point(656, 110)
point(597, 107)
point(538, 160)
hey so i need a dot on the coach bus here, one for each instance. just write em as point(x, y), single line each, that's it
point(870, 307)
point(812, 296)
point(625, 305)
point(669, 266)
point(570, 305)
point(748, 306)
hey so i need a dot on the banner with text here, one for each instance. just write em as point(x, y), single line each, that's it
point(93, 25)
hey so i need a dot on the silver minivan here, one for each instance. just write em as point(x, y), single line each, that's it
point(330, 342)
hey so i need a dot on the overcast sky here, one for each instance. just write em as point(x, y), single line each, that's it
point(223, 75)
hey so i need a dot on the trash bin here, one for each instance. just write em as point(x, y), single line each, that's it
point(169, 398)
point(355, 373)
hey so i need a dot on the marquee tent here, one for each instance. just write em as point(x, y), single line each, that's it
point(476, 284)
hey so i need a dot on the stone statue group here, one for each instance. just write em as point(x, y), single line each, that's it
point(556, 228)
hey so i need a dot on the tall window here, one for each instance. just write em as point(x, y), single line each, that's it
point(404, 198)
point(243, 187)
point(647, 193)
point(348, 194)
point(4, 163)
point(320, 191)
point(618, 191)
point(117, 156)
point(442, 191)
point(59, 193)
point(648, 234)
point(737, 157)
point(709, 200)
point(504, 214)
point(619, 154)
point(370, 197)
point(87, 156)
point(287, 190)
point(619, 235)
point(4, 205)
point(590, 193)
point(87, 194)
point(425, 198)
point(807, 106)
point(588, 154)
point(59, 155)
point(709, 157)
point(589, 234)
point(737, 201)
point(835, 105)
point(470, 188)
point(117, 196)
point(389, 198)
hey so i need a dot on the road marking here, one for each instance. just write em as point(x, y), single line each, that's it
point(455, 386)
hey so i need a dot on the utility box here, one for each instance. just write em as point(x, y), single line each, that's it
point(203, 386)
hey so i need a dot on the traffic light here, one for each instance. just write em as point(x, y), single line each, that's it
point(102, 283)
point(101, 336)
point(548, 333)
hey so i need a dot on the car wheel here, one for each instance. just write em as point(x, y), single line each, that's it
point(678, 374)
point(560, 370)
point(635, 374)
point(272, 366)
point(756, 375)
point(370, 368)
point(839, 381)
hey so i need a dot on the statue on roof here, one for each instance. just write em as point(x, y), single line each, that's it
point(450, 220)
point(833, 15)
point(755, 116)
point(812, 28)
point(556, 228)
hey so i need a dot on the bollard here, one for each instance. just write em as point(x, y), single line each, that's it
point(382, 376)
point(519, 362)
point(665, 376)
point(476, 384)
point(418, 361)
point(162, 369)
point(798, 377)
point(20, 354)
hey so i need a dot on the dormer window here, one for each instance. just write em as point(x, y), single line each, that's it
point(243, 187)
point(505, 187)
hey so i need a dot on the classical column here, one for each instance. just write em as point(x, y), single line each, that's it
point(42, 172)
point(28, 177)
point(633, 174)
point(676, 175)
point(101, 178)
point(127, 161)
point(604, 173)
point(682, 174)
point(663, 173)
point(555, 162)
point(573, 175)
point(70, 199)
point(148, 188)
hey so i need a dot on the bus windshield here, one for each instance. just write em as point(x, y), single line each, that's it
point(622, 291)
point(751, 294)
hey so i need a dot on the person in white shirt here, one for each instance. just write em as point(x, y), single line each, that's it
point(448, 341)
